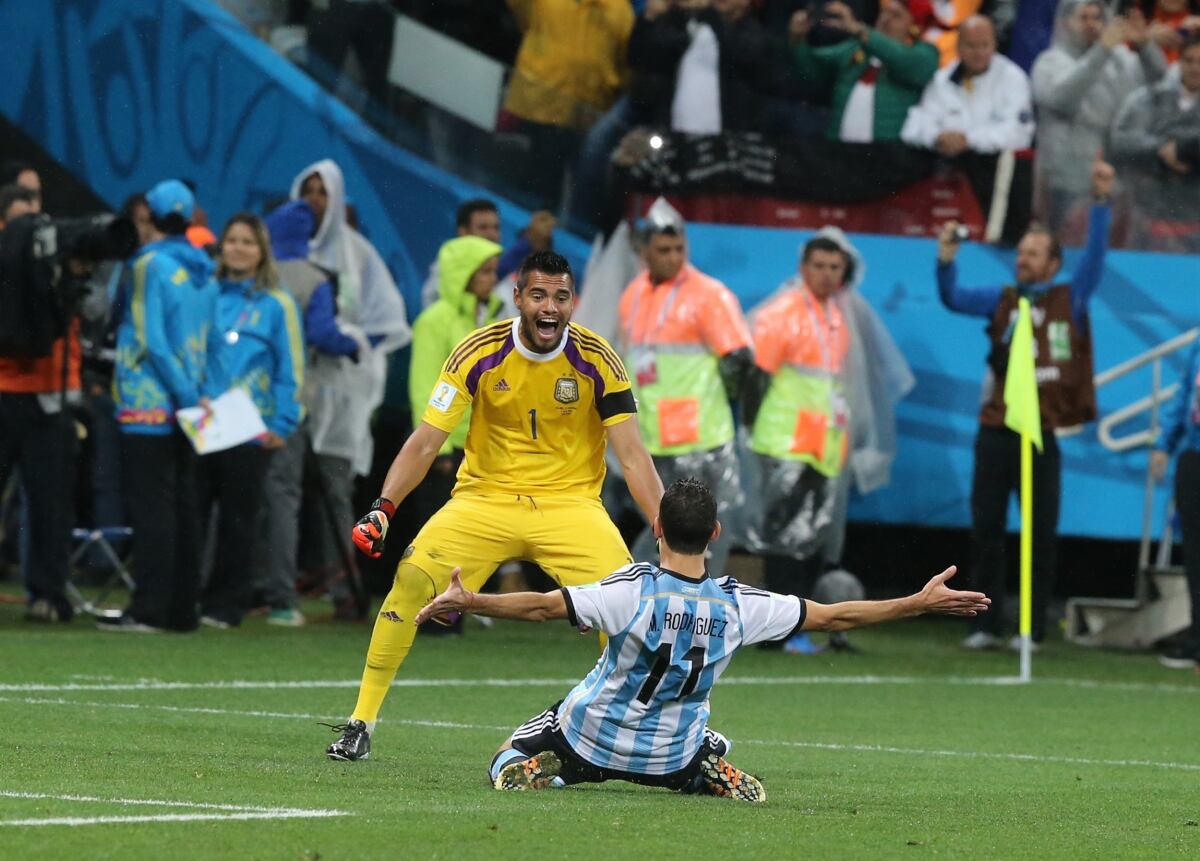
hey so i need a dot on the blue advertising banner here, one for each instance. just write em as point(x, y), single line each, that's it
point(1144, 299)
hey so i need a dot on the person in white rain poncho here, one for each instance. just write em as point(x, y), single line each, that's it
point(820, 413)
point(342, 393)
point(1079, 83)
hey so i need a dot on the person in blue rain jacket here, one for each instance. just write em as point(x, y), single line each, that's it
point(263, 352)
point(1181, 433)
point(167, 359)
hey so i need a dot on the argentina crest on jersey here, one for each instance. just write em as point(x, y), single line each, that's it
point(566, 390)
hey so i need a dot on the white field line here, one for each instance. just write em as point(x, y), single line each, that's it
point(814, 745)
point(76, 821)
point(225, 811)
point(201, 710)
point(332, 684)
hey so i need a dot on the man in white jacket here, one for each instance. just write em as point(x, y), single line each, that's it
point(1079, 83)
point(980, 103)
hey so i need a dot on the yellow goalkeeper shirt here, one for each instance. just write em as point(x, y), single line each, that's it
point(537, 420)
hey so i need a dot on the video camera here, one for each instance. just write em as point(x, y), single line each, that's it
point(45, 264)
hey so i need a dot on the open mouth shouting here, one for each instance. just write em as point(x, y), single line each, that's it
point(546, 329)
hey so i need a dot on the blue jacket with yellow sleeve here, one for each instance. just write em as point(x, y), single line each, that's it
point(167, 348)
point(263, 350)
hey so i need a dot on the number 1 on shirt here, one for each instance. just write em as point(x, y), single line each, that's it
point(533, 423)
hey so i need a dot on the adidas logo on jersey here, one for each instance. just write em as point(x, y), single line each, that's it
point(502, 386)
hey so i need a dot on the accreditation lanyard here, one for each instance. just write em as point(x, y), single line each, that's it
point(823, 332)
point(663, 313)
point(233, 335)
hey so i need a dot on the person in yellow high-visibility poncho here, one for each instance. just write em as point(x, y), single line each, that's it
point(796, 408)
point(687, 347)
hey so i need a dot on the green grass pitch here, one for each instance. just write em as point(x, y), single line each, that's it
point(905, 751)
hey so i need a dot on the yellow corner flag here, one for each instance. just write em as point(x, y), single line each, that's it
point(1023, 415)
point(1020, 382)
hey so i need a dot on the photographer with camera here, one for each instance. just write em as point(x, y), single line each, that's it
point(1066, 394)
point(168, 358)
point(37, 380)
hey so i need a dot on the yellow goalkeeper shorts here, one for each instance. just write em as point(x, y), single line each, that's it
point(572, 539)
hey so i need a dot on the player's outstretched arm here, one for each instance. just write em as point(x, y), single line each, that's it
point(526, 606)
point(640, 474)
point(405, 473)
point(936, 597)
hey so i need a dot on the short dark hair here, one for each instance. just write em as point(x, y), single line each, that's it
point(688, 514)
point(1036, 229)
point(1190, 42)
point(822, 243)
point(466, 209)
point(546, 262)
point(10, 194)
point(171, 224)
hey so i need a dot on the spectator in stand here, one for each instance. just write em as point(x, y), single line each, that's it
point(37, 437)
point(344, 392)
point(701, 67)
point(335, 27)
point(688, 348)
point(1066, 394)
point(168, 358)
point(570, 68)
point(263, 354)
point(696, 66)
point(1031, 30)
point(1157, 134)
point(485, 25)
point(949, 16)
point(276, 547)
point(877, 75)
point(1181, 424)
point(1078, 86)
point(1171, 22)
point(981, 103)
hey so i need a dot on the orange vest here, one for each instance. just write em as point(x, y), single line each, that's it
point(44, 375)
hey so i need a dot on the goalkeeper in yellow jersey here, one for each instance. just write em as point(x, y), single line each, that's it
point(545, 396)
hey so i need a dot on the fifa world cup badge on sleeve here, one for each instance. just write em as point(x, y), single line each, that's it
point(443, 396)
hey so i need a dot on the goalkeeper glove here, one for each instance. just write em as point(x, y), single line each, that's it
point(371, 531)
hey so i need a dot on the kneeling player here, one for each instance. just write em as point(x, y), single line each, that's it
point(641, 715)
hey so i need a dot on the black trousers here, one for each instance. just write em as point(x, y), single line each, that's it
point(997, 478)
point(42, 446)
point(160, 497)
point(232, 480)
point(1187, 503)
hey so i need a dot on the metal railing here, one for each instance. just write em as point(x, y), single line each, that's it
point(1147, 437)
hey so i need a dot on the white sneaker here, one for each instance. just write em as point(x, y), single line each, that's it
point(287, 618)
point(981, 641)
point(1014, 644)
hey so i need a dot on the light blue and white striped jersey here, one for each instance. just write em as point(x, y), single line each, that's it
point(644, 706)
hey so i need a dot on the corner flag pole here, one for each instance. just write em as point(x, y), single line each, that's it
point(1023, 414)
point(1026, 624)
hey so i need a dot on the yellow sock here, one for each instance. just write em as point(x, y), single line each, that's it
point(392, 638)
